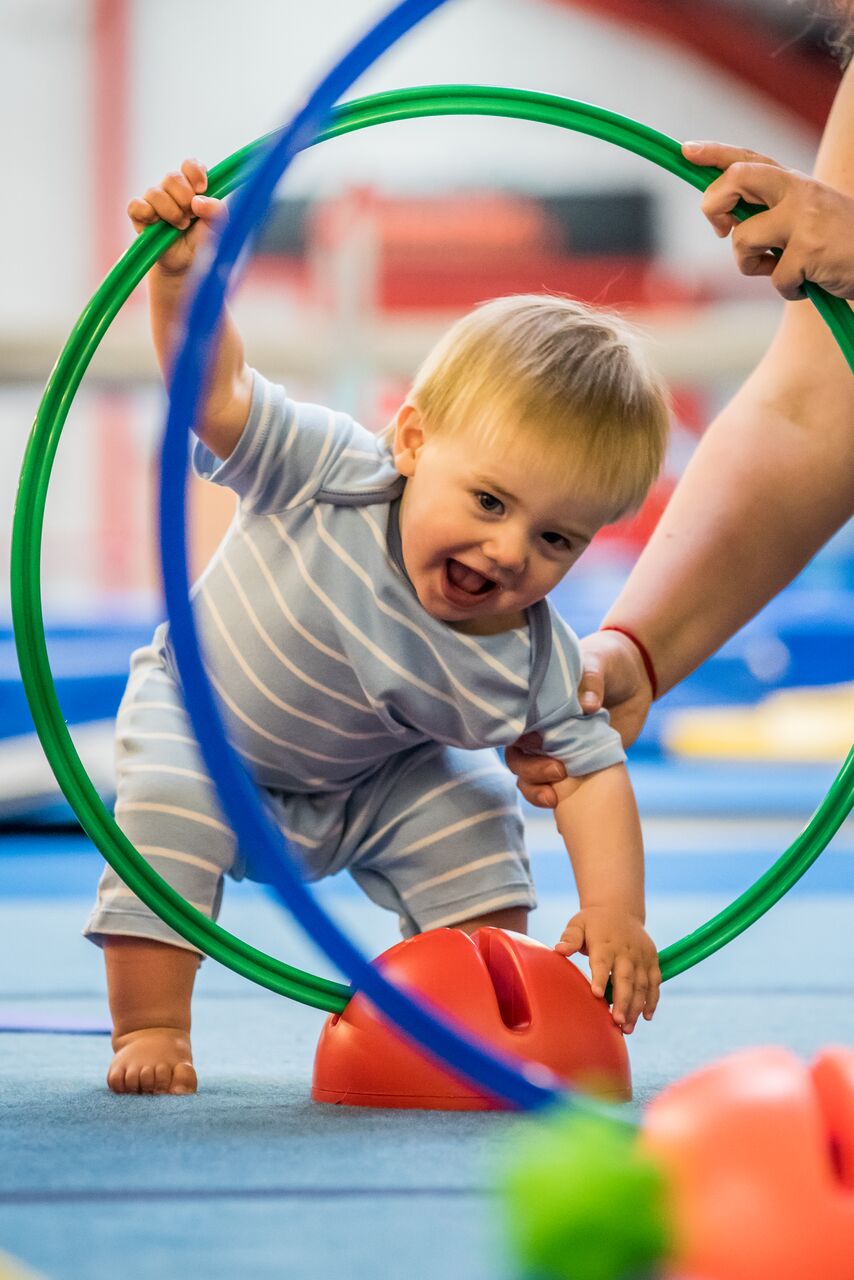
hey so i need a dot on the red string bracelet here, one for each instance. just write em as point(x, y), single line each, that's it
point(642, 650)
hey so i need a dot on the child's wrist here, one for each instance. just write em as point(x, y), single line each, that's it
point(619, 906)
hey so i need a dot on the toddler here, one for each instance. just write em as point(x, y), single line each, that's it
point(375, 624)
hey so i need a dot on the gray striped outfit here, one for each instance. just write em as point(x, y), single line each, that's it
point(370, 726)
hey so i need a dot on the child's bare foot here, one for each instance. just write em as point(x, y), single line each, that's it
point(153, 1060)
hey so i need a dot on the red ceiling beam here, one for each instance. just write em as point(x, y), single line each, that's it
point(800, 80)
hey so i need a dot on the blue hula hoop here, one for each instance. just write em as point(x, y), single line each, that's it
point(522, 1085)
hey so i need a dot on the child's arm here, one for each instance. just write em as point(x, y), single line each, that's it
point(178, 200)
point(598, 819)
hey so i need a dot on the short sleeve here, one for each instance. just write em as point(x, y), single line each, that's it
point(584, 743)
point(284, 454)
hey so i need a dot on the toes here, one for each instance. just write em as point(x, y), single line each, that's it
point(162, 1077)
point(132, 1073)
point(184, 1078)
point(154, 1074)
point(146, 1079)
point(116, 1079)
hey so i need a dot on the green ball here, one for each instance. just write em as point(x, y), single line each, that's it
point(581, 1202)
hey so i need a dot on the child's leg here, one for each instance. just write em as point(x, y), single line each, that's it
point(167, 808)
point(513, 918)
point(150, 985)
point(441, 841)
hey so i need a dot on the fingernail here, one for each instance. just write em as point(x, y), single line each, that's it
point(589, 700)
point(692, 146)
point(554, 773)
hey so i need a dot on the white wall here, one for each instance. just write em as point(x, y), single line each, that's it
point(208, 76)
point(45, 210)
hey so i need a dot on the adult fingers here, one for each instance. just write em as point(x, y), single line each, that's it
point(532, 741)
point(753, 242)
point(720, 155)
point(532, 769)
point(591, 690)
point(788, 275)
point(539, 797)
point(533, 773)
point(756, 183)
point(756, 236)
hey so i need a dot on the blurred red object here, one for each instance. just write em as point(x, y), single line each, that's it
point(510, 992)
point(759, 1150)
point(450, 252)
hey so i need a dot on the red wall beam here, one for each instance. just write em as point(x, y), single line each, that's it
point(110, 64)
point(117, 465)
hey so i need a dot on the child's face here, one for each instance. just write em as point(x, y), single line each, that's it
point(486, 532)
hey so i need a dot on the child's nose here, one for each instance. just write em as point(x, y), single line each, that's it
point(508, 551)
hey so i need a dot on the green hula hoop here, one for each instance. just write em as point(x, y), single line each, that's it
point(29, 519)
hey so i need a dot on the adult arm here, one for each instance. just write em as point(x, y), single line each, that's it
point(770, 482)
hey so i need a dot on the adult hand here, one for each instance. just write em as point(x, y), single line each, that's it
point(614, 677)
point(811, 223)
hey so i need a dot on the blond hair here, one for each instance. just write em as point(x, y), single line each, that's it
point(557, 373)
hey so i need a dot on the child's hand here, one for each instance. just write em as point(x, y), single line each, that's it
point(178, 199)
point(618, 947)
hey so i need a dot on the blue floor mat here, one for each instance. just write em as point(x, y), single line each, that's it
point(249, 1178)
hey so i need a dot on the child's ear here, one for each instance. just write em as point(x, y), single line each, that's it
point(408, 438)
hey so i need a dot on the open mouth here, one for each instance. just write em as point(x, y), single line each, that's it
point(465, 586)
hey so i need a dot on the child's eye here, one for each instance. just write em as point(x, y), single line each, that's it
point(559, 540)
point(486, 499)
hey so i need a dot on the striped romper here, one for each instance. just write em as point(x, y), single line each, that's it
point(371, 726)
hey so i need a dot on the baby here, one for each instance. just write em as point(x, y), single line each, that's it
point(375, 624)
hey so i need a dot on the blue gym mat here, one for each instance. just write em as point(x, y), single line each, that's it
point(249, 1177)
